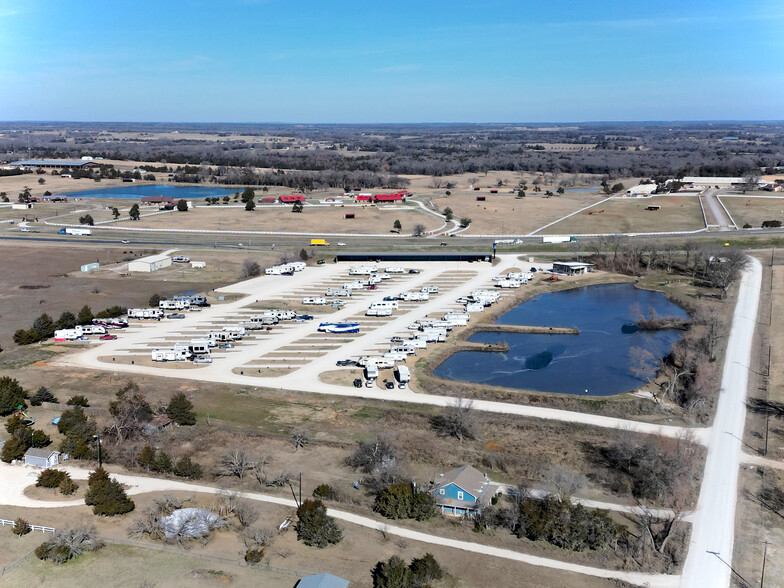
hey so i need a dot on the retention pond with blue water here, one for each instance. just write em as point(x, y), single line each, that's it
point(134, 192)
point(597, 361)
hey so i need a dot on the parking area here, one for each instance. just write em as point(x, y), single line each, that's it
point(318, 333)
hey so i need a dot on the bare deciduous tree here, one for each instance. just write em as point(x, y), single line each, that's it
point(235, 463)
point(458, 420)
point(564, 482)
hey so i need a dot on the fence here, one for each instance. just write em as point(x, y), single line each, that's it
point(5, 522)
point(63, 406)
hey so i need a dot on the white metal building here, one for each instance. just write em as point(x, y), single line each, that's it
point(41, 458)
point(149, 264)
point(571, 268)
point(641, 190)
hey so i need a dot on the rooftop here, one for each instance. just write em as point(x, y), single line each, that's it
point(152, 258)
point(44, 453)
point(52, 162)
point(322, 581)
point(572, 264)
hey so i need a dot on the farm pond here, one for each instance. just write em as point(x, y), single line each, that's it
point(596, 362)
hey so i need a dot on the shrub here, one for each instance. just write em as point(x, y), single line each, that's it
point(15, 423)
point(42, 395)
point(162, 463)
point(325, 491)
point(68, 544)
point(424, 570)
point(13, 449)
point(370, 456)
point(106, 496)
point(314, 527)
point(155, 299)
point(771, 224)
point(185, 468)
point(403, 501)
point(39, 439)
point(182, 205)
point(21, 527)
point(391, 574)
point(254, 555)
point(68, 486)
point(50, 478)
point(78, 400)
point(146, 457)
point(180, 410)
point(250, 269)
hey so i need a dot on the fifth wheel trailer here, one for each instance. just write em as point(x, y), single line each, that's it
point(402, 375)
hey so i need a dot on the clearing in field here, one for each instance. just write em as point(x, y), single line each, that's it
point(676, 213)
point(367, 220)
point(753, 211)
point(503, 214)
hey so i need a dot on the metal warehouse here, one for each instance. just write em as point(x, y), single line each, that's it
point(149, 264)
point(413, 256)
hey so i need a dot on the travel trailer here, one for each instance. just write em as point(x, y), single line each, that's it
point(378, 312)
point(346, 292)
point(402, 375)
point(314, 301)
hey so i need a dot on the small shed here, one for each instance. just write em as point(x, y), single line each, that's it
point(322, 581)
point(350, 215)
point(21, 206)
point(41, 458)
point(198, 264)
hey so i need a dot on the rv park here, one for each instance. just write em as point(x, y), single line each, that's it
point(302, 338)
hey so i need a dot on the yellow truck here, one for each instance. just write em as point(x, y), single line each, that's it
point(318, 243)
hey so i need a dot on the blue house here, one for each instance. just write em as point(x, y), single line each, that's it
point(463, 491)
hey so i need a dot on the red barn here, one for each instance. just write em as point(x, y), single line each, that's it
point(268, 199)
point(388, 197)
point(292, 198)
point(364, 197)
point(404, 193)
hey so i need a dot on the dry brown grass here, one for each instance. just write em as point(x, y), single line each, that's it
point(752, 210)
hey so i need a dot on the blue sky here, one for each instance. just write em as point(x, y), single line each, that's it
point(403, 61)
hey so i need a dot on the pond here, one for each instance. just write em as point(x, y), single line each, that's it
point(134, 192)
point(597, 361)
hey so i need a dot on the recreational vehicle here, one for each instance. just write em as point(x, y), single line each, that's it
point(314, 301)
point(384, 305)
point(281, 315)
point(405, 348)
point(371, 373)
point(395, 270)
point(378, 312)
point(91, 329)
point(378, 361)
point(474, 307)
point(430, 289)
point(507, 283)
point(339, 292)
point(219, 336)
point(402, 375)
point(199, 347)
point(145, 313)
point(263, 319)
point(395, 356)
point(179, 353)
point(67, 335)
point(179, 304)
point(237, 332)
point(362, 270)
point(417, 342)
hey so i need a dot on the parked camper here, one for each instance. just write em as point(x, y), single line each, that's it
point(395, 356)
point(263, 319)
point(179, 304)
point(239, 332)
point(453, 316)
point(376, 360)
point(474, 307)
point(405, 348)
point(91, 329)
point(384, 305)
point(430, 289)
point(402, 375)
point(378, 312)
point(282, 315)
point(355, 285)
point(434, 335)
point(339, 292)
point(297, 266)
point(507, 283)
point(219, 336)
point(314, 301)
point(417, 342)
point(395, 270)
point(371, 373)
point(199, 347)
point(179, 353)
point(145, 313)
point(362, 270)
point(67, 335)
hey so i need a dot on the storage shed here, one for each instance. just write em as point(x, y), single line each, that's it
point(571, 268)
point(41, 458)
point(149, 264)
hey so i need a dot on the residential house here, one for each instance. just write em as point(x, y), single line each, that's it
point(322, 581)
point(41, 458)
point(463, 491)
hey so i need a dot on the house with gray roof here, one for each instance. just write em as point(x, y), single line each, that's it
point(322, 581)
point(463, 491)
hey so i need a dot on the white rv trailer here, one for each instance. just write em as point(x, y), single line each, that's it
point(236, 332)
point(199, 347)
point(395, 270)
point(67, 335)
point(179, 353)
point(474, 307)
point(179, 304)
point(339, 292)
point(281, 315)
point(402, 375)
point(384, 305)
point(395, 356)
point(362, 270)
point(355, 285)
point(145, 313)
point(314, 301)
point(220, 336)
point(507, 283)
point(430, 289)
point(376, 360)
point(378, 312)
point(405, 348)
point(371, 373)
point(91, 329)
point(417, 342)
point(263, 319)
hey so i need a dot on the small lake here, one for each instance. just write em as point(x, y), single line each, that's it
point(134, 192)
point(596, 360)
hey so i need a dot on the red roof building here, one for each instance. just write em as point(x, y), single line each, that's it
point(291, 198)
point(388, 197)
point(364, 197)
point(268, 199)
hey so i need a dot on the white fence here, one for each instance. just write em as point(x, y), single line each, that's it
point(5, 522)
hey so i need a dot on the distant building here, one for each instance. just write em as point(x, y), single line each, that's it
point(721, 182)
point(41, 458)
point(463, 491)
point(291, 199)
point(51, 163)
point(158, 200)
point(641, 190)
point(21, 206)
point(149, 264)
point(571, 268)
point(322, 581)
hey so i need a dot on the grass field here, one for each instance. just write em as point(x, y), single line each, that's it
point(504, 214)
point(677, 213)
point(752, 210)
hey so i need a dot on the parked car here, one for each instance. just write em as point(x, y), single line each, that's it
point(107, 337)
point(194, 309)
point(345, 362)
point(533, 270)
point(298, 319)
point(202, 359)
point(413, 271)
point(396, 340)
point(175, 315)
point(306, 317)
point(443, 243)
point(357, 382)
point(389, 385)
point(341, 244)
point(226, 346)
point(125, 242)
point(320, 262)
point(390, 298)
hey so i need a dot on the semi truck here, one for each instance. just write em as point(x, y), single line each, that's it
point(75, 231)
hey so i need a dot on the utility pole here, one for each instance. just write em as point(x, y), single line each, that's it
point(716, 553)
point(100, 457)
point(764, 557)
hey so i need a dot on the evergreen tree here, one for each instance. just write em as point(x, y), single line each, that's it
point(12, 396)
point(314, 527)
point(185, 468)
point(391, 574)
point(182, 205)
point(146, 457)
point(162, 463)
point(43, 327)
point(250, 206)
point(106, 496)
point(155, 299)
point(134, 212)
point(424, 570)
point(67, 320)
point(42, 395)
point(13, 449)
point(248, 194)
point(180, 410)
point(85, 316)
